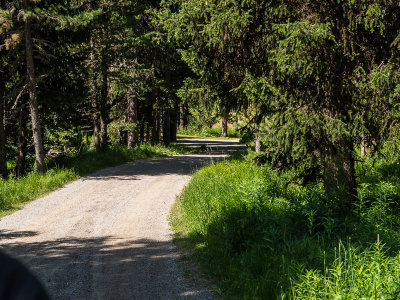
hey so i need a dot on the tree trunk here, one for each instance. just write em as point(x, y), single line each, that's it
point(3, 158)
point(155, 130)
point(142, 127)
point(363, 147)
point(148, 135)
point(132, 119)
point(155, 122)
point(94, 96)
point(236, 122)
point(185, 118)
point(21, 144)
point(182, 113)
point(339, 174)
point(96, 130)
point(257, 143)
point(167, 127)
point(224, 132)
point(141, 132)
point(33, 102)
point(103, 102)
point(174, 126)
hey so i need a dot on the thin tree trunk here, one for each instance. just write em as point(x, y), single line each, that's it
point(363, 147)
point(224, 132)
point(33, 102)
point(257, 143)
point(103, 102)
point(185, 116)
point(21, 144)
point(236, 122)
point(94, 96)
point(103, 131)
point(96, 130)
point(181, 117)
point(3, 158)
point(167, 127)
point(155, 130)
point(148, 135)
point(174, 126)
point(132, 120)
point(141, 132)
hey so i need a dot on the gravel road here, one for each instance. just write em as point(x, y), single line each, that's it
point(106, 235)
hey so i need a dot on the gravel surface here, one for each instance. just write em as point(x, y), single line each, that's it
point(106, 235)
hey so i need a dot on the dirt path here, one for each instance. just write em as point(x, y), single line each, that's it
point(106, 236)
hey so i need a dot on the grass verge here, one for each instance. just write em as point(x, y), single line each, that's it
point(260, 237)
point(15, 192)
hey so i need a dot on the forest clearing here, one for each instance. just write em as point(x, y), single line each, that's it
point(308, 209)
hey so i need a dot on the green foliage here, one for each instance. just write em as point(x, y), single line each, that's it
point(14, 191)
point(202, 101)
point(321, 74)
point(354, 274)
point(208, 132)
point(57, 139)
point(260, 235)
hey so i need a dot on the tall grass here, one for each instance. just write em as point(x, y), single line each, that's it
point(14, 191)
point(261, 237)
point(70, 167)
point(354, 274)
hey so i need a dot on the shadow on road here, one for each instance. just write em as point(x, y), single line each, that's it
point(180, 165)
point(9, 235)
point(64, 265)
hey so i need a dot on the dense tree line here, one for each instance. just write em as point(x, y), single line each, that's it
point(315, 79)
point(71, 69)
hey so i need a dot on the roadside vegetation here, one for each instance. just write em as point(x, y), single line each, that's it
point(69, 166)
point(261, 234)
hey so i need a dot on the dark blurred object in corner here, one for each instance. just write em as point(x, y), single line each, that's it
point(17, 282)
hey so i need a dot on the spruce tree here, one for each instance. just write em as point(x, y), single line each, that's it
point(320, 73)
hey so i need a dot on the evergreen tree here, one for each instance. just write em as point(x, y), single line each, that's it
point(321, 73)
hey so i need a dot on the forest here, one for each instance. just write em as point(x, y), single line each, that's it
point(313, 87)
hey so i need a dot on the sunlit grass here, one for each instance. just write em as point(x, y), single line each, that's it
point(14, 191)
point(259, 236)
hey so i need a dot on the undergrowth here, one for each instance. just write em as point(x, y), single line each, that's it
point(68, 167)
point(259, 236)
